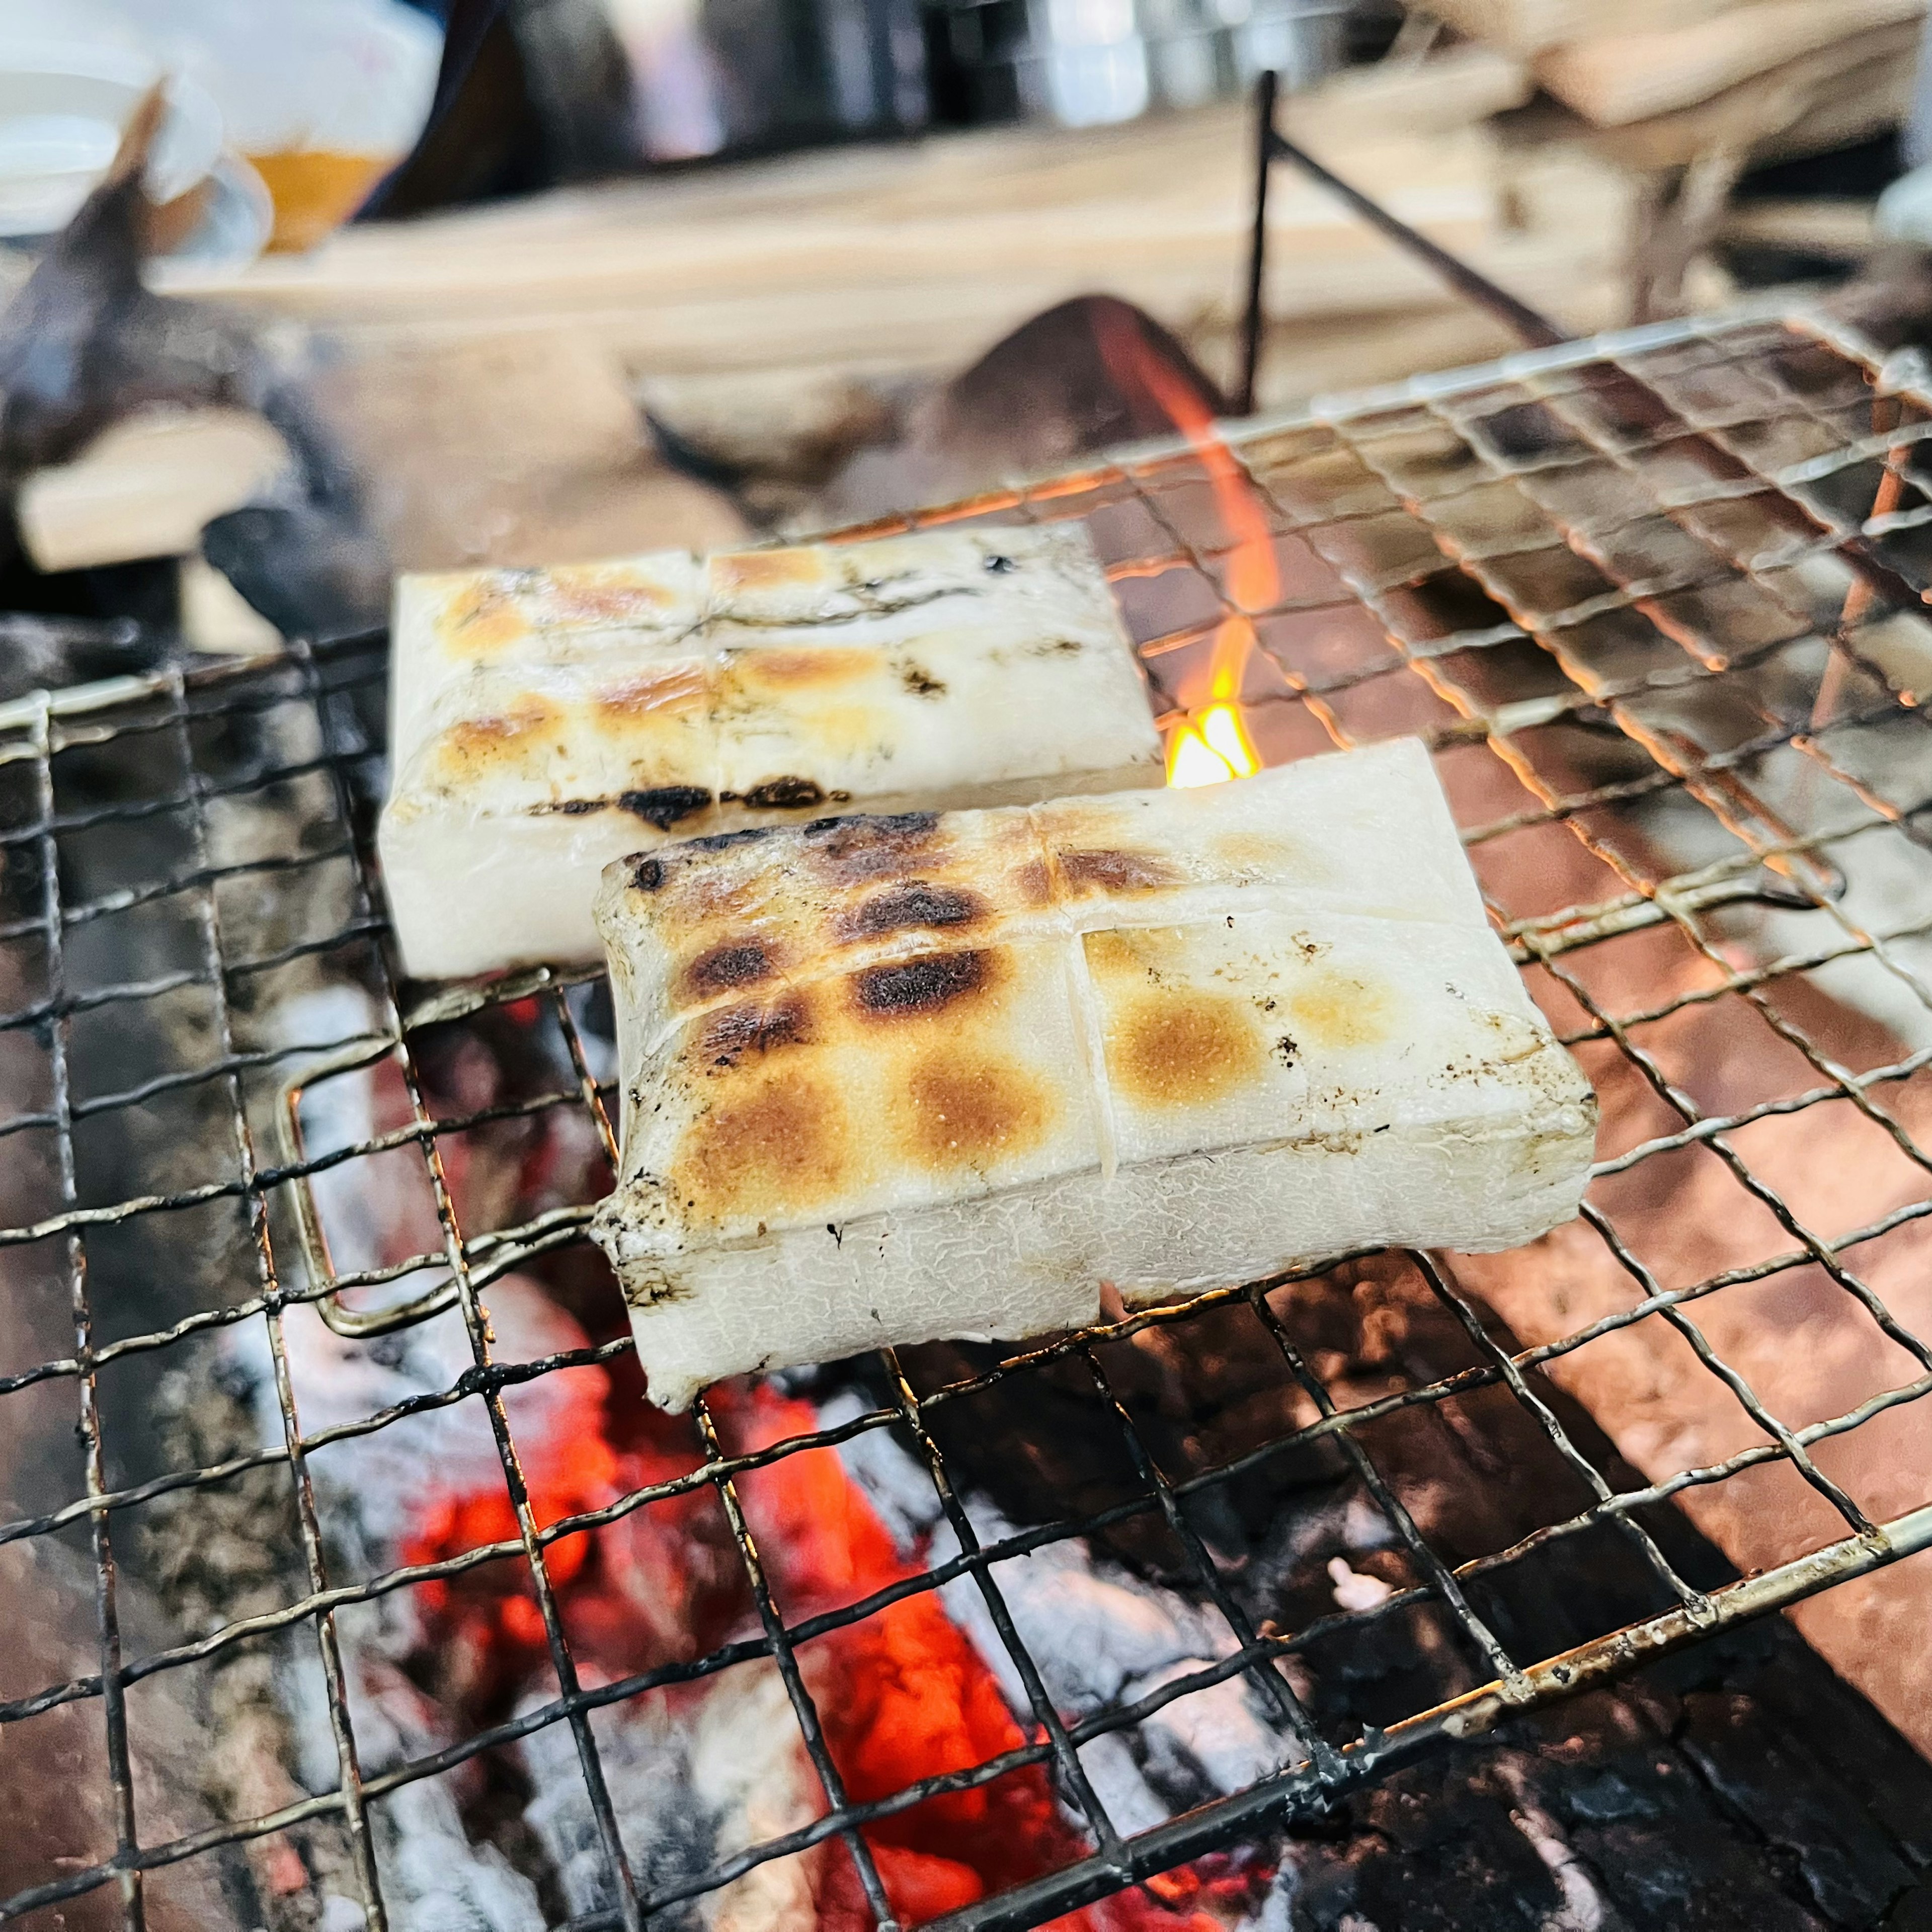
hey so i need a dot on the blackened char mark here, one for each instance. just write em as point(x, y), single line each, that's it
point(871, 845)
point(719, 841)
point(664, 805)
point(920, 986)
point(754, 1028)
point(908, 907)
point(785, 794)
point(736, 963)
point(649, 873)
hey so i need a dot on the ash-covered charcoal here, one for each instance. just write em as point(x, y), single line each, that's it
point(213, 1553)
point(1101, 1635)
point(1086, 375)
point(1740, 1787)
point(56, 1799)
point(729, 1750)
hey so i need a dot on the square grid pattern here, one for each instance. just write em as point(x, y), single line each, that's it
point(1609, 585)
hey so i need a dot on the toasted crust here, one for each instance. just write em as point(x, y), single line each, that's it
point(868, 1015)
point(550, 720)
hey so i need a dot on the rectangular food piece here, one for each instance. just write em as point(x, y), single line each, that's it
point(544, 722)
point(889, 1079)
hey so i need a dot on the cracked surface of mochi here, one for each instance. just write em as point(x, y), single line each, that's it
point(544, 722)
point(888, 1079)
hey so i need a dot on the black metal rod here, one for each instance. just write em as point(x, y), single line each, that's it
point(1537, 330)
point(1251, 340)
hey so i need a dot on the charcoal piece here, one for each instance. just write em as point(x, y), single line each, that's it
point(312, 571)
point(1086, 375)
point(1447, 604)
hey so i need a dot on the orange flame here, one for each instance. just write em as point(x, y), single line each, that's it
point(1214, 745)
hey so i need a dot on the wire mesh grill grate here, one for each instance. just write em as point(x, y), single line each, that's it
point(1609, 584)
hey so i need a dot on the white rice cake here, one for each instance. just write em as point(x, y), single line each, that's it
point(544, 722)
point(890, 1079)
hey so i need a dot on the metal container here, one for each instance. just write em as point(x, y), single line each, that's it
point(725, 77)
point(1085, 63)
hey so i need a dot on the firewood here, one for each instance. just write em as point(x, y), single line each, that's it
point(146, 488)
point(867, 261)
point(1809, 106)
point(1624, 76)
point(1528, 26)
point(1453, 88)
point(1838, 229)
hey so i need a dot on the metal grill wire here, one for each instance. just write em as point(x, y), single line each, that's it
point(1797, 444)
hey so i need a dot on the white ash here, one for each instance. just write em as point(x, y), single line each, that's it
point(370, 1491)
point(434, 1878)
point(693, 1779)
point(1354, 1591)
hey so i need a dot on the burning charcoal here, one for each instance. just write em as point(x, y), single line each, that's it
point(547, 722)
point(1086, 375)
point(951, 1072)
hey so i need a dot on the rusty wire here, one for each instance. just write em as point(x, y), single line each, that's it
point(1736, 387)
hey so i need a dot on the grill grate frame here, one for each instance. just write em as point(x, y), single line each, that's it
point(1727, 387)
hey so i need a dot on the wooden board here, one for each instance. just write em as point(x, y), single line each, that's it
point(1624, 76)
point(146, 488)
point(1528, 26)
point(918, 258)
point(1810, 105)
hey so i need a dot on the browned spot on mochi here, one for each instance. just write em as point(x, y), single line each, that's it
point(667, 690)
point(781, 671)
point(765, 569)
point(915, 905)
point(753, 1028)
point(736, 962)
point(1034, 883)
point(1111, 870)
point(1255, 852)
point(482, 744)
point(780, 1148)
point(973, 1112)
point(915, 988)
point(872, 845)
point(1182, 1049)
point(1334, 1008)
point(481, 619)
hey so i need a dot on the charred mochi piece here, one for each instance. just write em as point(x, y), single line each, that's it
point(544, 722)
point(896, 1079)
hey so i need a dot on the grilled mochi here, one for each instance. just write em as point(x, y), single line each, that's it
point(890, 1078)
point(544, 722)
